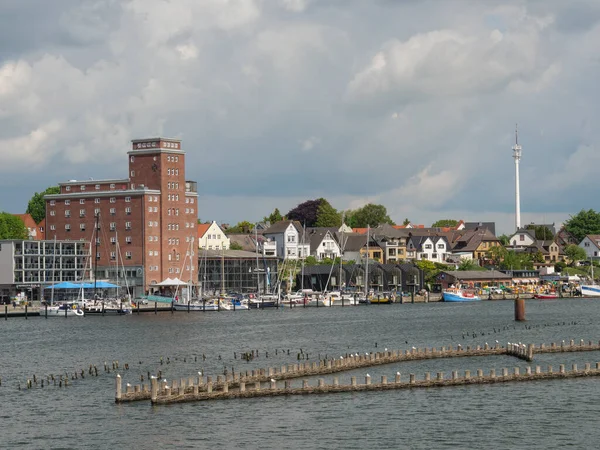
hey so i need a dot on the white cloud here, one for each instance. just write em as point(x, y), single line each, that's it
point(310, 143)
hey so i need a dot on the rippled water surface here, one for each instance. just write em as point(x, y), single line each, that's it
point(545, 414)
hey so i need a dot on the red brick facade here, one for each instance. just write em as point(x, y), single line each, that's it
point(152, 214)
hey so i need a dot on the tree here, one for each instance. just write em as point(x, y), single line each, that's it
point(243, 227)
point(235, 246)
point(559, 266)
point(496, 254)
point(443, 223)
point(583, 223)
point(274, 217)
point(327, 215)
point(542, 232)
point(306, 213)
point(504, 239)
point(310, 261)
point(12, 227)
point(468, 264)
point(516, 261)
point(406, 222)
point(574, 253)
point(371, 215)
point(37, 205)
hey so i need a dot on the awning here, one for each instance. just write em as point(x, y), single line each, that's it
point(64, 285)
point(172, 282)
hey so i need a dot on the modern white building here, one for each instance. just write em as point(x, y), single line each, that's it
point(591, 245)
point(26, 267)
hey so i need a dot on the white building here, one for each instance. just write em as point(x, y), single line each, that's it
point(212, 237)
point(591, 245)
point(290, 239)
point(322, 243)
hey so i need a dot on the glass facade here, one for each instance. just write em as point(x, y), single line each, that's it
point(237, 274)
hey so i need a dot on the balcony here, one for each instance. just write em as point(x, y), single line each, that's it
point(191, 186)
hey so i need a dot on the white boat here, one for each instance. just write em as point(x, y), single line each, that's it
point(318, 302)
point(590, 290)
point(106, 307)
point(459, 295)
point(63, 310)
point(232, 304)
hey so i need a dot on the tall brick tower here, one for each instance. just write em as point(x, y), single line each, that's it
point(158, 164)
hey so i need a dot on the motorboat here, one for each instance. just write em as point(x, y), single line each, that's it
point(549, 296)
point(234, 304)
point(264, 301)
point(590, 290)
point(459, 295)
point(107, 307)
point(63, 310)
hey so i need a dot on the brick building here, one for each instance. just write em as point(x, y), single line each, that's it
point(143, 226)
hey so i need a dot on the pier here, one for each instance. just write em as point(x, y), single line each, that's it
point(236, 383)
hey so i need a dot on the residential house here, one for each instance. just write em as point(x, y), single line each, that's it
point(322, 243)
point(212, 237)
point(521, 239)
point(429, 247)
point(474, 244)
point(266, 246)
point(392, 242)
point(591, 245)
point(551, 252)
point(352, 245)
point(290, 239)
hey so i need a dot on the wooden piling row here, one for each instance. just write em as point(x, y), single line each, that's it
point(168, 396)
point(352, 362)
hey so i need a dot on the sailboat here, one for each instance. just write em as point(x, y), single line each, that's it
point(64, 309)
point(590, 290)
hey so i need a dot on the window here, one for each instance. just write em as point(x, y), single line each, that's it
point(169, 197)
point(67, 227)
point(128, 239)
point(96, 211)
point(149, 238)
point(113, 226)
point(112, 186)
point(97, 187)
point(52, 202)
point(133, 173)
point(113, 200)
point(521, 237)
point(177, 212)
point(82, 201)
point(113, 240)
point(67, 213)
point(97, 255)
point(155, 252)
point(82, 213)
point(83, 187)
point(291, 238)
point(113, 211)
point(177, 159)
point(149, 208)
point(150, 253)
point(440, 246)
point(427, 246)
point(155, 198)
point(155, 238)
point(176, 197)
point(168, 171)
point(191, 200)
point(113, 255)
point(52, 227)
point(176, 171)
point(128, 211)
point(98, 241)
point(187, 210)
point(67, 188)
point(127, 255)
point(169, 226)
point(155, 209)
point(52, 213)
point(168, 159)
point(96, 200)
point(82, 226)
point(128, 225)
point(191, 210)
point(67, 202)
point(155, 223)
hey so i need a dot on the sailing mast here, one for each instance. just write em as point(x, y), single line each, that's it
point(367, 265)
point(342, 245)
point(257, 271)
point(53, 268)
point(95, 233)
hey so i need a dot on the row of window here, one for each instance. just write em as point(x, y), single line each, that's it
point(172, 171)
point(96, 200)
point(213, 236)
point(172, 185)
point(83, 187)
point(113, 211)
point(82, 226)
point(429, 246)
point(113, 255)
point(172, 158)
point(173, 197)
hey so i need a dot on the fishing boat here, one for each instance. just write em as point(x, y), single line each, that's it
point(459, 295)
point(590, 290)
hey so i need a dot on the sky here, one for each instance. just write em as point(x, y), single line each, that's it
point(410, 104)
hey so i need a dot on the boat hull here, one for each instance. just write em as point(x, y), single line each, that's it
point(454, 297)
point(590, 290)
point(545, 296)
point(59, 311)
point(195, 307)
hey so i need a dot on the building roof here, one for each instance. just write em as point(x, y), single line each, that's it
point(246, 241)
point(232, 254)
point(27, 220)
point(489, 225)
point(202, 229)
point(354, 242)
point(282, 225)
point(477, 274)
point(595, 238)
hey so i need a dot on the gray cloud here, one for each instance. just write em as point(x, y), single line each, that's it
point(277, 102)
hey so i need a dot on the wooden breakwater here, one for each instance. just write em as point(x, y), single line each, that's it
point(163, 394)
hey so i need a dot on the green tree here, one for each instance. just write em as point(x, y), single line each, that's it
point(37, 205)
point(444, 223)
point(583, 223)
point(574, 253)
point(243, 227)
point(327, 215)
point(372, 215)
point(310, 261)
point(516, 261)
point(538, 257)
point(430, 270)
point(235, 246)
point(12, 227)
point(468, 264)
point(542, 233)
point(496, 254)
point(559, 266)
point(274, 217)
point(504, 239)
point(406, 222)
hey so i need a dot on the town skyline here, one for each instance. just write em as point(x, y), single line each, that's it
point(280, 102)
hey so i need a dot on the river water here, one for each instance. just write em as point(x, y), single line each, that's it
point(545, 414)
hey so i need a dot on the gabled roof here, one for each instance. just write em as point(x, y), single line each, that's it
point(469, 240)
point(595, 238)
point(27, 220)
point(489, 225)
point(202, 229)
point(314, 236)
point(246, 241)
point(283, 225)
point(354, 242)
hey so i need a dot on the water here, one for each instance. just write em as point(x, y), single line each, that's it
point(548, 414)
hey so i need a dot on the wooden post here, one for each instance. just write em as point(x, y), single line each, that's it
point(154, 389)
point(225, 386)
point(321, 383)
point(467, 374)
point(353, 381)
point(5, 312)
point(46, 310)
point(519, 310)
point(398, 377)
point(155, 308)
point(209, 387)
point(242, 386)
point(412, 378)
point(118, 388)
point(368, 379)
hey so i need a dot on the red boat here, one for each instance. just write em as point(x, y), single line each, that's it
point(546, 296)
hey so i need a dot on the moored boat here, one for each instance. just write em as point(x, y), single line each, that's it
point(590, 290)
point(63, 310)
point(458, 295)
point(549, 296)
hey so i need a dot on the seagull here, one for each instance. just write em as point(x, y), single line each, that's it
point(414, 348)
point(366, 354)
point(497, 341)
point(368, 375)
point(272, 380)
point(200, 373)
point(397, 373)
point(341, 357)
point(385, 349)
